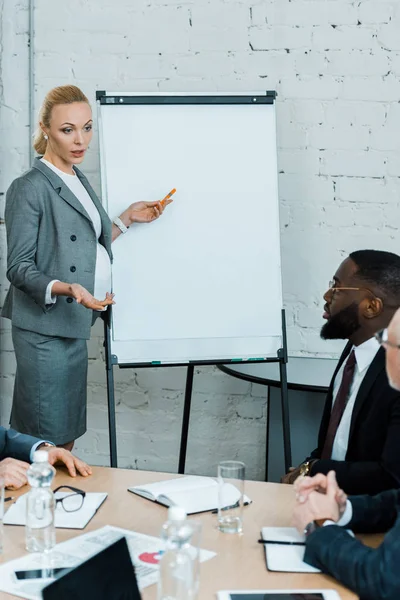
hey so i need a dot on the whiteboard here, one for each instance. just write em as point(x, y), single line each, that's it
point(203, 282)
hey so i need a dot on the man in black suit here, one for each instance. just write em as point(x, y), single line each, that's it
point(16, 449)
point(359, 436)
point(323, 510)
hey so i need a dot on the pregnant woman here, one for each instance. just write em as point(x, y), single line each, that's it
point(59, 266)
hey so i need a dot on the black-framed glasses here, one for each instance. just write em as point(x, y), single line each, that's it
point(73, 500)
point(382, 338)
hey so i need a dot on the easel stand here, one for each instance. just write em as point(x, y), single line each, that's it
point(112, 360)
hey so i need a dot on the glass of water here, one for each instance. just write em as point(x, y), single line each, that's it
point(230, 496)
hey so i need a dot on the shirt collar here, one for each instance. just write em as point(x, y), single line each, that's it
point(56, 170)
point(365, 353)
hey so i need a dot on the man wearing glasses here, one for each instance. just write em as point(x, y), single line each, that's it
point(16, 451)
point(323, 513)
point(359, 436)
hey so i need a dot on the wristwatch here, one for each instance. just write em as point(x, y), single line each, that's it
point(310, 528)
point(121, 226)
point(305, 467)
point(45, 445)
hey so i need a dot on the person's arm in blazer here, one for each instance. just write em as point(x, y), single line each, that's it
point(16, 450)
point(369, 477)
point(16, 445)
point(370, 572)
point(22, 216)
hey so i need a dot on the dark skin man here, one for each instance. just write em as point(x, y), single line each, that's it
point(354, 311)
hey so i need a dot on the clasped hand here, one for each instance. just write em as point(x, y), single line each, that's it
point(318, 497)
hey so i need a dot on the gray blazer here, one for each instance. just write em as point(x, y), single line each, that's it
point(50, 236)
point(16, 445)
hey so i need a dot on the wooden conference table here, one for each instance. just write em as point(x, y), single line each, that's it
point(240, 562)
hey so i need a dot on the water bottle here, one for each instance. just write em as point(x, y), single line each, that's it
point(40, 505)
point(177, 569)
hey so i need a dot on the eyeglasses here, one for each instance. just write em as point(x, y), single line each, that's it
point(382, 338)
point(71, 501)
point(334, 288)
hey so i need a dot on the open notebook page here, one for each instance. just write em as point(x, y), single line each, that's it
point(195, 494)
point(285, 558)
point(152, 491)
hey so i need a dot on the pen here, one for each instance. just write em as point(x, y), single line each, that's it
point(281, 543)
point(168, 196)
point(214, 512)
point(8, 498)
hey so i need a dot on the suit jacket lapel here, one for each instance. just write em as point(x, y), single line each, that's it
point(59, 186)
point(377, 365)
point(65, 193)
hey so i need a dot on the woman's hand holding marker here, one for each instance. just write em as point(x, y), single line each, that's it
point(167, 200)
point(145, 212)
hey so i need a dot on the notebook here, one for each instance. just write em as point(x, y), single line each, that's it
point(285, 557)
point(278, 595)
point(16, 514)
point(195, 494)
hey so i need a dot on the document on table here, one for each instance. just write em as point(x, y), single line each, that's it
point(285, 557)
point(16, 514)
point(194, 493)
point(144, 550)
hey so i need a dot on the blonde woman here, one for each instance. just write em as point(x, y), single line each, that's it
point(59, 266)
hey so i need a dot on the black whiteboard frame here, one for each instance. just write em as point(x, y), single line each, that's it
point(120, 99)
point(104, 98)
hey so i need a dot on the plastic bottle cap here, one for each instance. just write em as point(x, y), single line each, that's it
point(176, 513)
point(40, 456)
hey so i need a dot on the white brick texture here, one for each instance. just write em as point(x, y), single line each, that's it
point(336, 67)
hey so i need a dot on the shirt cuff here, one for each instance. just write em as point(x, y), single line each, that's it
point(345, 518)
point(36, 445)
point(49, 299)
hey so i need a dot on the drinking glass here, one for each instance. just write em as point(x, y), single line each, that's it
point(230, 496)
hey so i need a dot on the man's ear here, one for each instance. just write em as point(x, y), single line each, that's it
point(371, 307)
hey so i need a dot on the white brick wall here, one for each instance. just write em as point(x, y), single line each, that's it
point(336, 67)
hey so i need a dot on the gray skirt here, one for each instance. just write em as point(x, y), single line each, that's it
point(49, 399)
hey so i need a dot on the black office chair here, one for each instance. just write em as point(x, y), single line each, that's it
point(109, 575)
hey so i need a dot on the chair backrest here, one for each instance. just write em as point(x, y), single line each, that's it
point(109, 575)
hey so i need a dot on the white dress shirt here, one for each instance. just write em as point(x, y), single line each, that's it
point(102, 278)
point(365, 354)
point(344, 519)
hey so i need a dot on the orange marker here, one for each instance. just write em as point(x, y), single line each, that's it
point(168, 196)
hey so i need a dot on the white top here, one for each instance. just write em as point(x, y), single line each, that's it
point(345, 518)
point(102, 278)
point(365, 354)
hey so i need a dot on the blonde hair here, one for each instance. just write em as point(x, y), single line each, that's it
point(64, 94)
